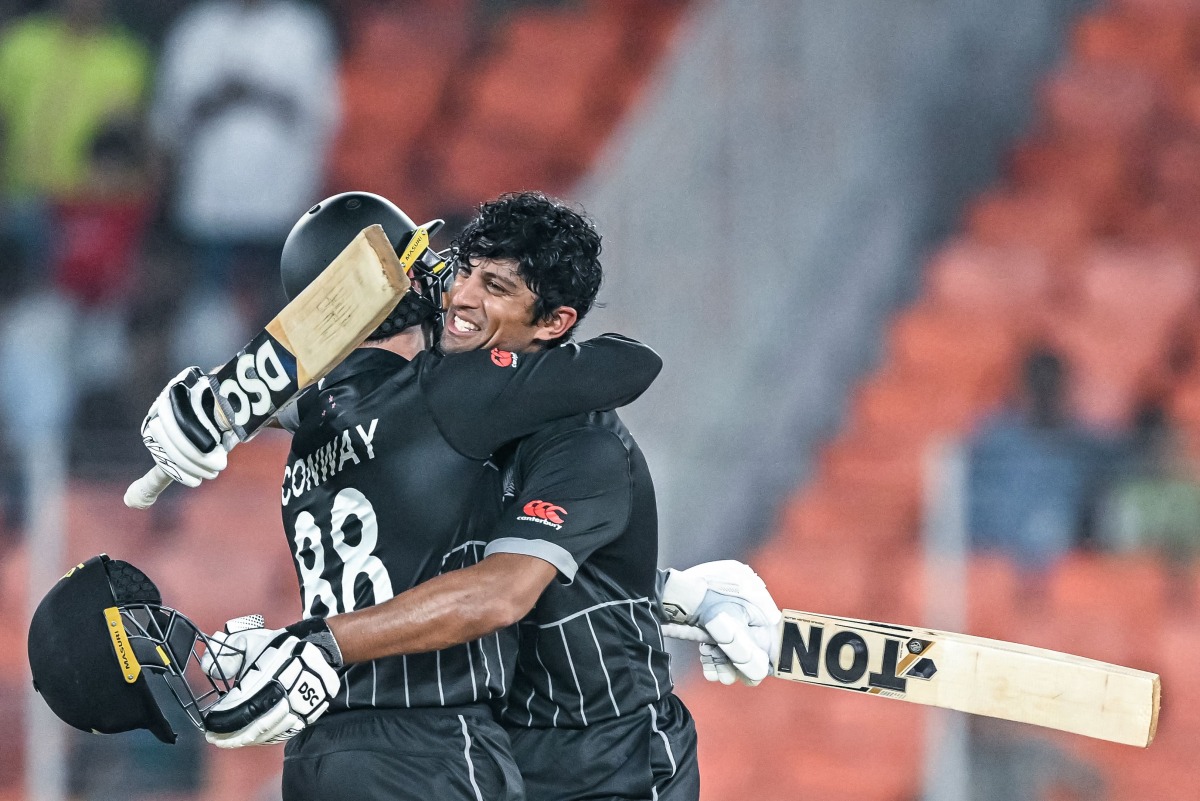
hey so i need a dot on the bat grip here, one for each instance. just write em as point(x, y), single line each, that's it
point(145, 491)
point(677, 631)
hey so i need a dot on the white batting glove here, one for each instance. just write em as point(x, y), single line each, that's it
point(184, 432)
point(235, 646)
point(282, 689)
point(725, 607)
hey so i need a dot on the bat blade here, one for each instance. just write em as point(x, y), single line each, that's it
point(971, 674)
point(308, 338)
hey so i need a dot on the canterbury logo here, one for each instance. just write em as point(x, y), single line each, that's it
point(503, 358)
point(545, 513)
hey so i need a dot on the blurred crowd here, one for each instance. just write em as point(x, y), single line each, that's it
point(154, 156)
point(1041, 482)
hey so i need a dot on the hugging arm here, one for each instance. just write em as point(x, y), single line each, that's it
point(484, 399)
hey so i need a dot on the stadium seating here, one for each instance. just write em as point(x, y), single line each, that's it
point(1091, 242)
point(441, 120)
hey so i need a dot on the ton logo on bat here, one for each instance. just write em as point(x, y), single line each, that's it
point(863, 660)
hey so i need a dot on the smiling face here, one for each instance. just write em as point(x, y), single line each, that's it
point(491, 306)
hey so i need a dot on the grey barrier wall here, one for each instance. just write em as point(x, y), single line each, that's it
point(769, 204)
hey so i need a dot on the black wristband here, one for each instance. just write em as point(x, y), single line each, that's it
point(316, 630)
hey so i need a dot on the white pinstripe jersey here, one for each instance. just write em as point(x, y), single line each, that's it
point(389, 483)
point(581, 497)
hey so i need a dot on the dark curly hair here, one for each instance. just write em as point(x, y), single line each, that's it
point(557, 250)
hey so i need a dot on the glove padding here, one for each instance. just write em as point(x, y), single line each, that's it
point(235, 646)
point(725, 607)
point(283, 684)
point(184, 431)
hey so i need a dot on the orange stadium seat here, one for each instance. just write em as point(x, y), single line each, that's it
point(786, 753)
point(1186, 101)
point(513, 100)
point(649, 26)
point(1106, 177)
point(1052, 221)
point(945, 402)
point(829, 512)
point(993, 597)
point(954, 346)
point(480, 167)
point(1183, 404)
point(551, 78)
point(1165, 221)
point(1176, 10)
point(1108, 606)
point(1127, 38)
point(14, 605)
point(1176, 172)
point(532, 108)
point(821, 576)
point(1100, 103)
point(388, 103)
point(998, 284)
point(1174, 655)
point(825, 773)
point(1139, 287)
point(891, 462)
point(584, 41)
point(13, 695)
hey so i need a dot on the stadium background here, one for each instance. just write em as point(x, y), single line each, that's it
point(844, 226)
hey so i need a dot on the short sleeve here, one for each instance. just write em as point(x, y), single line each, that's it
point(482, 399)
point(575, 498)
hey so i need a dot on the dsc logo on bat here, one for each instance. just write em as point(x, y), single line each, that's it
point(258, 380)
point(854, 658)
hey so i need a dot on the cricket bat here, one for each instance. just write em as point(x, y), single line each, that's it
point(971, 674)
point(311, 335)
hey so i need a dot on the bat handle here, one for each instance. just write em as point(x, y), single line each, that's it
point(145, 491)
point(678, 631)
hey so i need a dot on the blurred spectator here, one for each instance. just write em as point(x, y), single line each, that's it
point(99, 230)
point(64, 76)
point(1033, 473)
point(1156, 502)
point(246, 106)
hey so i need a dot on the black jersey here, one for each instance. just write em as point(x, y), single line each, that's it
point(383, 484)
point(580, 496)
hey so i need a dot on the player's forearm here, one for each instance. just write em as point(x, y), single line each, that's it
point(435, 615)
point(453, 608)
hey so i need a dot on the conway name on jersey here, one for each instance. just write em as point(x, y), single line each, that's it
point(389, 484)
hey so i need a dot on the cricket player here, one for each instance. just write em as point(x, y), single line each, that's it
point(417, 668)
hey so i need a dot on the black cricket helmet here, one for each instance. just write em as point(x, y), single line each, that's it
point(320, 235)
point(101, 636)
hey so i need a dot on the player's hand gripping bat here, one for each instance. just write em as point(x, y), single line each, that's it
point(308, 338)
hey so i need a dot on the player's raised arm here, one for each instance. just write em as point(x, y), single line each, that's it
point(199, 416)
